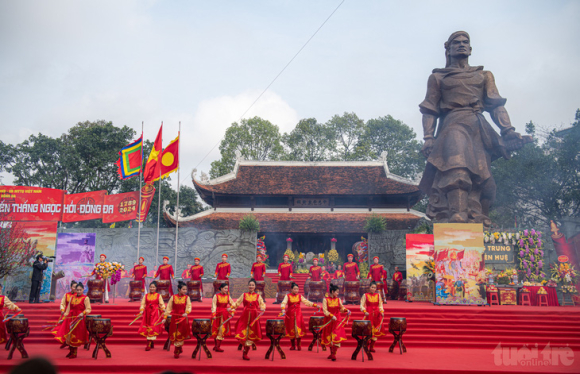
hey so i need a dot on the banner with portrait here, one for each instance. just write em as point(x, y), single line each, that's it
point(75, 257)
point(420, 267)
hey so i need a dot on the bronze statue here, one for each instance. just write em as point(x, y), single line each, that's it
point(457, 178)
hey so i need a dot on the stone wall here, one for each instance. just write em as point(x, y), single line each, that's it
point(209, 245)
point(390, 246)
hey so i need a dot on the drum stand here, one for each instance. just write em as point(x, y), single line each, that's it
point(17, 344)
point(100, 340)
point(398, 339)
point(316, 338)
point(88, 344)
point(275, 343)
point(201, 338)
point(362, 343)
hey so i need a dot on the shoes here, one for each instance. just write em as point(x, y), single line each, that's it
point(372, 346)
point(73, 352)
point(333, 354)
point(298, 347)
point(217, 348)
point(293, 346)
point(63, 346)
point(245, 354)
point(148, 348)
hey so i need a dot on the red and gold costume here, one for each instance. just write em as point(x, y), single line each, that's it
point(376, 272)
point(258, 271)
point(152, 308)
point(372, 303)
point(326, 277)
point(78, 335)
point(333, 334)
point(293, 320)
point(61, 330)
point(351, 271)
point(223, 271)
point(398, 277)
point(315, 273)
point(165, 272)
point(285, 271)
point(338, 274)
point(139, 273)
point(220, 313)
point(196, 272)
point(248, 331)
point(179, 329)
point(5, 303)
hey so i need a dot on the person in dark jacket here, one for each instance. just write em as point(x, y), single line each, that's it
point(38, 268)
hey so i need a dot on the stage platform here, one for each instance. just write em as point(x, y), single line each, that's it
point(451, 339)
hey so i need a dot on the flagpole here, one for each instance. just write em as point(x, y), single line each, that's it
point(177, 205)
point(140, 186)
point(159, 202)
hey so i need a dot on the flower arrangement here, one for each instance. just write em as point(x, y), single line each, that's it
point(110, 270)
point(507, 238)
point(332, 255)
point(531, 255)
point(564, 273)
point(261, 248)
point(504, 277)
point(289, 240)
point(290, 255)
point(321, 259)
point(333, 240)
point(364, 270)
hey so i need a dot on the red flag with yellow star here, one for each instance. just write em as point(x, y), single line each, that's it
point(170, 158)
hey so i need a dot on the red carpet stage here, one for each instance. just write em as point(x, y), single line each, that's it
point(450, 339)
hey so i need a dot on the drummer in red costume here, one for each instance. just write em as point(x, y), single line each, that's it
point(398, 278)
point(140, 272)
point(334, 333)
point(293, 320)
point(152, 308)
point(63, 305)
point(165, 272)
point(196, 272)
point(315, 272)
point(5, 303)
point(78, 307)
point(371, 304)
point(258, 269)
point(221, 311)
point(351, 271)
point(284, 272)
point(179, 307)
point(326, 277)
point(102, 258)
point(339, 273)
point(223, 269)
point(248, 327)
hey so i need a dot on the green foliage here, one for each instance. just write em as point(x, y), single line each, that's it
point(309, 141)
point(255, 138)
point(249, 223)
point(375, 223)
point(348, 131)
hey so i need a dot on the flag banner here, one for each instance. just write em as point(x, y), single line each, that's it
point(170, 158)
point(420, 266)
point(121, 207)
point(131, 159)
point(83, 206)
point(459, 260)
point(147, 193)
point(20, 203)
point(151, 170)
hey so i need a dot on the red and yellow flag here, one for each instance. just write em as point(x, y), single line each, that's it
point(151, 170)
point(170, 158)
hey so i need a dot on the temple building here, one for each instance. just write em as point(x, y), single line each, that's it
point(309, 202)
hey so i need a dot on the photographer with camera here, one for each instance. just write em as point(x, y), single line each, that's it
point(38, 269)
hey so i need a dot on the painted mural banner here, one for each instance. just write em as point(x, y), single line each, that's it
point(22, 203)
point(75, 257)
point(459, 263)
point(420, 266)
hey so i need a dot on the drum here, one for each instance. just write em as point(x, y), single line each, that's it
point(362, 328)
point(21, 315)
point(194, 290)
point(96, 290)
point(403, 290)
point(317, 291)
point(397, 324)
point(17, 325)
point(261, 289)
point(89, 318)
point(163, 289)
point(217, 283)
point(380, 288)
point(101, 326)
point(284, 288)
point(364, 287)
point(136, 292)
point(275, 327)
point(167, 323)
point(393, 289)
point(307, 287)
point(201, 326)
point(351, 291)
point(314, 322)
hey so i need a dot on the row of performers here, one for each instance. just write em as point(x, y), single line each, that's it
point(247, 330)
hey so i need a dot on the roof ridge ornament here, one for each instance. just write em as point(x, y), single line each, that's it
point(383, 158)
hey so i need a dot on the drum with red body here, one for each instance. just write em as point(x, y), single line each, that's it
point(364, 287)
point(194, 290)
point(275, 327)
point(136, 290)
point(284, 288)
point(201, 326)
point(96, 290)
point(217, 283)
point(163, 289)
point(362, 328)
point(317, 291)
point(351, 292)
point(261, 289)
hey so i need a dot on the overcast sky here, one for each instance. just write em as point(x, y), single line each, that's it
point(204, 62)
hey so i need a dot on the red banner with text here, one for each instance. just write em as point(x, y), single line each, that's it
point(120, 207)
point(22, 203)
point(83, 206)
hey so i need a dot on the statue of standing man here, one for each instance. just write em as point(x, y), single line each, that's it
point(457, 178)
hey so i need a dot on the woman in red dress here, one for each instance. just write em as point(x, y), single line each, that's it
point(339, 273)
point(5, 303)
point(78, 308)
point(179, 307)
point(152, 308)
point(221, 311)
point(333, 334)
point(293, 320)
point(371, 304)
point(248, 328)
point(62, 329)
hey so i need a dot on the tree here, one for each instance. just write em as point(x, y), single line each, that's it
point(16, 249)
point(399, 141)
point(255, 138)
point(347, 130)
point(309, 141)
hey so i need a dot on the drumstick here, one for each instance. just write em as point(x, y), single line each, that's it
point(138, 316)
point(8, 319)
point(257, 318)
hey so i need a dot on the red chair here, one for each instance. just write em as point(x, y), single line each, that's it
point(542, 300)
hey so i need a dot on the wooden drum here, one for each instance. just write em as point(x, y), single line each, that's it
point(397, 325)
point(284, 288)
point(8, 326)
point(217, 283)
point(275, 327)
point(364, 287)
point(163, 289)
point(96, 291)
point(136, 293)
point(314, 322)
point(201, 326)
point(307, 287)
point(317, 290)
point(88, 320)
point(351, 292)
point(380, 289)
point(362, 328)
point(17, 325)
point(100, 327)
point(261, 289)
point(393, 289)
point(194, 290)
